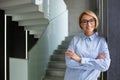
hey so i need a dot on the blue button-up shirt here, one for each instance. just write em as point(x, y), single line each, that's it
point(88, 47)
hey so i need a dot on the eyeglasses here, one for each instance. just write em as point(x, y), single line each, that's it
point(91, 21)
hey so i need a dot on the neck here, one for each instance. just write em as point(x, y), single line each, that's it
point(89, 33)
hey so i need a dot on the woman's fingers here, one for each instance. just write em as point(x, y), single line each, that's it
point(69, 53)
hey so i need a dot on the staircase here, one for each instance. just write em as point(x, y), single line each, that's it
point(28, 14)
point(56, 65)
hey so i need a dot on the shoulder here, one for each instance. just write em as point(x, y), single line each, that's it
point(78, 36)
point(101, 38)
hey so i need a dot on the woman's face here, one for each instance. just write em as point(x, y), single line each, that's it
point(87, 23)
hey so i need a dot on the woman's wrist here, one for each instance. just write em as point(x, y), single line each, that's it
point(80, 60)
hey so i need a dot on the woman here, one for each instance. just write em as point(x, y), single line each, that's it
point(88, 53)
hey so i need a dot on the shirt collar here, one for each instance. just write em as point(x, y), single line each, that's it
point(89, 37)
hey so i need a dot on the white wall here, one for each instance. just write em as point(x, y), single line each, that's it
point(52, 37)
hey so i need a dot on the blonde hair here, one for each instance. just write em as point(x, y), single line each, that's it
point(90, 13)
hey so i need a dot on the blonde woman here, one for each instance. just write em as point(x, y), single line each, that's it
point(88, 53)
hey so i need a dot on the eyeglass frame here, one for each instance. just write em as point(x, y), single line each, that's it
point(93, 20)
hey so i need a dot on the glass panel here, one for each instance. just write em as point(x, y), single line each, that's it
point(18, 69)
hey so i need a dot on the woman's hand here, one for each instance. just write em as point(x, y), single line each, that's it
point(73, 56)
point(101, 56)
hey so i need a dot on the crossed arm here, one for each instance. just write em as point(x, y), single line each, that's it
point(101, 62)
point(79, 58)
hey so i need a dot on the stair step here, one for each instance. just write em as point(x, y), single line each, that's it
point(60, 51)
point(59, 57)
point(63, 46)
point(57, 64)
point(56, 52)
point(66, 42)
point(53, 78)
point(55, 72)
point(35, 32)
point(36, 28)
point(33, 22)
point(37, 36)
point(23, 9)
point(6, 4)
point(68, 39)
point(26, 16)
